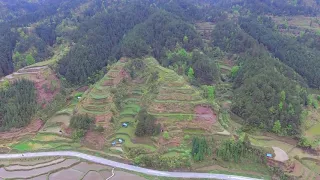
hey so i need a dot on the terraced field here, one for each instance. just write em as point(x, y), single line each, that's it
point(127, 115)
point(60, 168)
point(179, 106)
point(98, 100)
point(45, 141)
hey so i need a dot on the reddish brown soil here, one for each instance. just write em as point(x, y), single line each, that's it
point(205, 114)
point(204, 119)
point(32, 128)
point(95, 140)
point(66, 130)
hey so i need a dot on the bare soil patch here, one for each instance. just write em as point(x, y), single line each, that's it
point(205, 114)
point(95, 139)
point(281, 155)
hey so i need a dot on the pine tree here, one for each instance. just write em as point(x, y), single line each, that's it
point(191, 73)
point(30, 60)
point(277, 127)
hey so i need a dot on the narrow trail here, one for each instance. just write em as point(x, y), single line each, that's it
point(115, 164)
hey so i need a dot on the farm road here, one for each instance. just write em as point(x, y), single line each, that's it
point(115, 164)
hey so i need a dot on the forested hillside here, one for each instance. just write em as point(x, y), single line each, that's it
point(231, 68)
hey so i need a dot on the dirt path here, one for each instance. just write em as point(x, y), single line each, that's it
point(281, 155)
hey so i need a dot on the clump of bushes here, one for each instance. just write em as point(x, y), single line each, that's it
point(81, 124)
point(147, 124)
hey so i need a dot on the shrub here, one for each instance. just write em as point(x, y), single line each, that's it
point(315, 104)
point(304, 142)
point(186, 137)
point(166, 135)
point(200, 148)
point(99, 128)
point(78, 134)
point(146, 125)
point(81, 122)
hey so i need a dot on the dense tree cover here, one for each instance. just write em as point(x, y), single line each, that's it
point(99, 42)
point(260, 81)
point(205, 69)
point(310, 39)
point(81, 122)
point(258, 97)
point(302, 59)
point(230, 38)
point(285, 7)
point(236, 150)
point(16, 17)
point(146, 124)
point(296, 7)
point(159, 33)
point(7, 43)
point(198, 66)
point(31, 45)
point(18, 104)
point(46, 32)
point(12, 9)
point(188, 10)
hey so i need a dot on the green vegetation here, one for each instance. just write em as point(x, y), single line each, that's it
point(199, 149)
point(18, 104)
point(186, 69)
point(81, 122)
point(260, 82)
point(146, 125)
point(166, 135)
point(232, 150)
point(30, 60)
